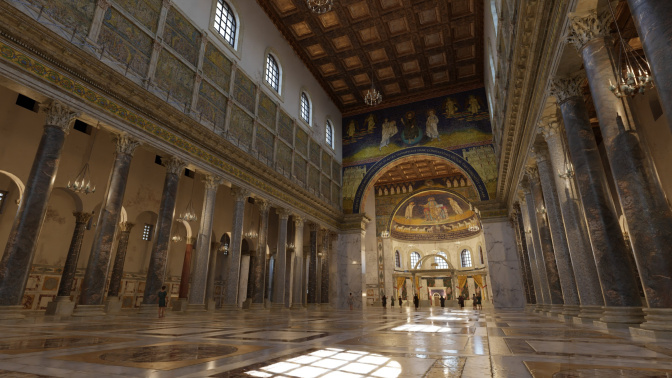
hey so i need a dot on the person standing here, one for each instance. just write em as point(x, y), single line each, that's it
point(479, 306)
point(384, 301)
point(400, 301)
point(392, 301)
point(351, 301)
point(416, 301)
point(460, 300)
point(162, 301)
point(473, 301)
point(443, 301)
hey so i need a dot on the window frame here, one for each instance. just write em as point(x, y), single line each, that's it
point(237, 27)
point(440, 263)
point(147, 231)
point(466, 253)
point(397, 259)
point(413, 263)
point(278, 75)
point(309, 121)
point(329, 131)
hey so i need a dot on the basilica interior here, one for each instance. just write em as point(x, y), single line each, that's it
point(335, 188)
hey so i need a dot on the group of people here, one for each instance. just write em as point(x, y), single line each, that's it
point(475, 299)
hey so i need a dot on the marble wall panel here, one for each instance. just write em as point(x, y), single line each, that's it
point(212, 104)
point(264, 142)
point(125, 42)
point(300, 165)
point(283, 157)
point(71, 13)
point(314, 178)
point(326, 163)
point(217, 67)
point(244, 91)
point(286, 127)
point(182, 36)
point(267, 110)
point(241, 126)
point(503, 266)
point(315, 152)
point(301, 141)
point(325, 187)
point(336, 171)
point(175, 77)
point(335, 193)
point(145, 12)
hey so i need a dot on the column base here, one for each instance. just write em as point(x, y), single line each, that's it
point(112, 305)
point(529, 307)
point(180, 305)
point(591, 312)
point(11, 312)
point(230, 307)
point(620, 317)
point(89, 310)
point(658, 319)
point(571, 311)
point(195, 308)
point(149, 309)
point(555, 309)
point(297, 306)
point(277, 306)
point(651, 333)
point(257, 306)
point(210, 305)
point(60, 306)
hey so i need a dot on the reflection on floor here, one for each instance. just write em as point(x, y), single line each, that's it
point(326, 343)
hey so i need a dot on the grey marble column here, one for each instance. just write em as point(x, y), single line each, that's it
point(259, 261)
point(22, 241)
point(119, 260)
point(93, 285)
point(233, 266)
point(621, 296)
point(528, 240)
point(186, 268)
point(156, 272)
point(583, 263)
point(324, 266)
point(522, 255)
point(70, 267)
point(298, 291)
point(556, 226)
point(199, 274)
point(312, 265)
point(538, 249)
point(279, 271)
point(642, 200)
point(653, 20)
point(210, 302)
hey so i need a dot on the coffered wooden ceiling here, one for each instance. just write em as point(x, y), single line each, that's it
point(415, 49)
point(420, 169)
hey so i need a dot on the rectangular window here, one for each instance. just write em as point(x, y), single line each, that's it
point(3, 197)
point(147, 232)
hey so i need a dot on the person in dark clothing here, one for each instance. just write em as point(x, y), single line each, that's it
point(384, 301)
point(460, 300)
point(392, 301)
point(416, 301)
point(473, 301)
point(400, 301)
point(162, 301)
point(443, 301)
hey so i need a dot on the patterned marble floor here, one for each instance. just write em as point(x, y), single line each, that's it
point(325, 343)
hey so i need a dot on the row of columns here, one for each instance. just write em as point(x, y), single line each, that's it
point(197, 278)
point(578, 258)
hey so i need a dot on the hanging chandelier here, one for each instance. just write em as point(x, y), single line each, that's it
point(373, 96)
point(320, 6)
point(82, 182)
point(633, 73)
point(176, 238)
point(189, 214)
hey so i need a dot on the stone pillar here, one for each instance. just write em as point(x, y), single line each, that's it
point(653, 20)
point(347, 262)
point(642, 200)
point(279, 271)
point(156, 272)
point(259, 259)
point(181, 303)
point(62, 304)
point(233, 274)
point(529, 240)
point(522, 256)
point(324, 266)
point(538, 251)
point(556, 226)
point(202, 256)
point(93, 286)
point(583, 263)
point(210, 302)
point(298, 268)
point(312, 265)
point(20, 250)
point(621, 296)
point(112, 303)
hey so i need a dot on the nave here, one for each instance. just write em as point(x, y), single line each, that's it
point(377, 342)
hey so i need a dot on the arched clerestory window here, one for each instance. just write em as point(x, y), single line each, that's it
point(465, 257)
point(397, 259)
point(272, 75)
point(441, 263)
point(226, 23)
point(415, 257)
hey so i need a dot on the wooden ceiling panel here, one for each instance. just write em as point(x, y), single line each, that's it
point(421, 169)
point(425, 47)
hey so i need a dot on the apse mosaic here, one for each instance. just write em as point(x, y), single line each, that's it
point(433, 215)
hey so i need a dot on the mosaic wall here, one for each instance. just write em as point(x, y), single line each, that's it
point(125, 42)
point(265, 143)
point(145, 11)
point(326, 186)
point(244, 91)
point(71, 13)
point(336, 171)
point(217, 67)
point(286, 127)
point(241, 126)
point(284, 157)
point(314, 178)
point(267, 110)
point(315, 152)
point(174, 77)
point(300, 165)
point(212, 105)
point(301, 141)
point(182, 36)
point(326, 163)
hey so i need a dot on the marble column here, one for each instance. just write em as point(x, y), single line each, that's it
point(538, 250)
point(526, 233)
point(312, 265)
point(298, 267)
point(233, 266)
point(210, 302)
point(653, 20)
point(522, 256)
point(643, 203)
point(182, 302)
point(199, 274)
point(95, 277)
point(63, 304)
point(346, 264)
point(619, 289)
point(324, 266)
point(22, 241)
point(156, 272)
point(259, 259)
point(279, 271)
point(556, 227)
point(583, 263)
point(112, 304)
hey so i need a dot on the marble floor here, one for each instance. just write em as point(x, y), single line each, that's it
point(316, 342)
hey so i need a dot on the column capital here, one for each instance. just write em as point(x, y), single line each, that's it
point(264, 205)
point(81, 217)
point(549, 126)
point(532, 172)
point(126, 226)
point(564, 88)
point(583, 29)
point(241, 194)
point(314, 227)
point(126, 144)
point(283, 213)
point(521, 195)
point(175, 165)
point(540, 152)
point(212, 182)
point(59, 115)
point(298, 221)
